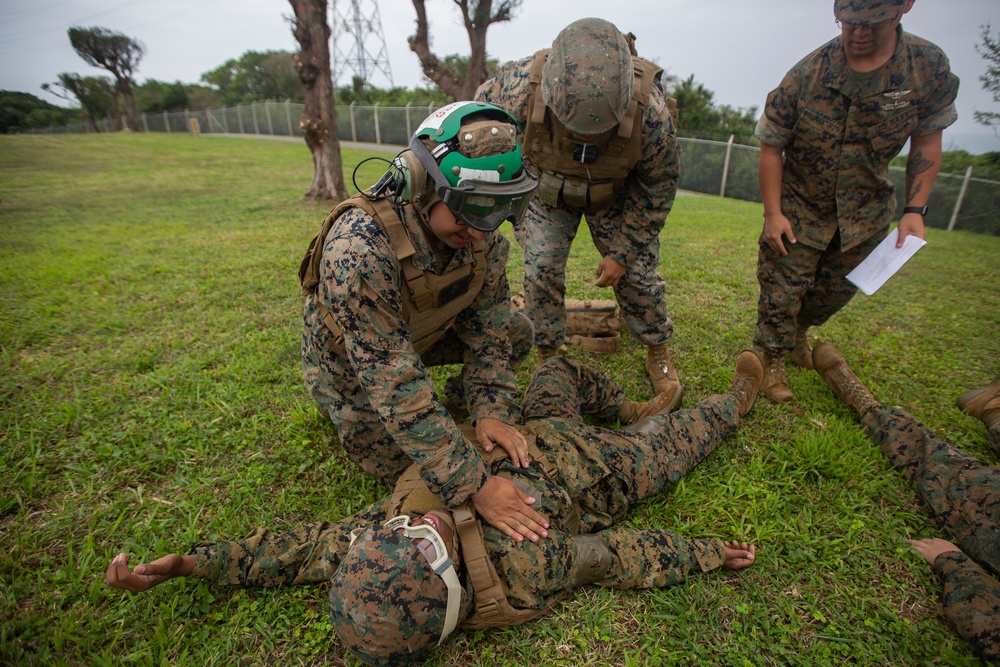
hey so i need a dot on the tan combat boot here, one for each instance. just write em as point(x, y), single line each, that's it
point(802, 355)
point(833, 368)
point(747, 381)
point(661, 370)
point(631, 411)
point(982, 403)
point(775, 384)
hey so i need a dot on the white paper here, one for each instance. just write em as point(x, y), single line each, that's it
point(884, 261)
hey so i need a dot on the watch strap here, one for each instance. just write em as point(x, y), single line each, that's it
point(922, 210)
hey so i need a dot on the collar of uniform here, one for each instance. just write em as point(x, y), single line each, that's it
point(837, 74)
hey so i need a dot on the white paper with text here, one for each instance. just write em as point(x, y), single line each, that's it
point(883, 262)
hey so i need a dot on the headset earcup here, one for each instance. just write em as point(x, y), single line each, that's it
point(414, 175)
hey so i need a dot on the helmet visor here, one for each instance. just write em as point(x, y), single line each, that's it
point(479, 203)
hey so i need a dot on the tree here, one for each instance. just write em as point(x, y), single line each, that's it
point(256, 76)
point(990, 51)
point(698, 112)
point(318, 121)
point(116, 53)
point(24, 111)
point(96, 95)
point(456, 76)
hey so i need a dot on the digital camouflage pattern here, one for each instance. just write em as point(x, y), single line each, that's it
point(805, 287)
point(587, 80)
point(839, 133)
point(601, 474)
point(867, 11)
point(964, 496)
point(379, 395)
point(627, 230)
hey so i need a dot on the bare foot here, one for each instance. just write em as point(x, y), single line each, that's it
point(931, 548)
point(739, 555)
point(147, 575)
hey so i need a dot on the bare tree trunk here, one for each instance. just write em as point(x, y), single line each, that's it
point(127, 92)
point(318, 121)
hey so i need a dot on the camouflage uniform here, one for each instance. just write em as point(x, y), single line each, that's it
point(964, 495)
point(627, 230)
point(839, 131)
point(601, 474)
point(379, 395)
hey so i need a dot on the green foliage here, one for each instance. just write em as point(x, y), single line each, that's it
point(361, 94)
point(990, 51)
point(95, 94)
point(159, 96)
point(108, 50)
point(151, 397)
point(24, 111)
point(257, 76)
point(700, 115)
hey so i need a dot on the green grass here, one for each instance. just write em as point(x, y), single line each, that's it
point(151, 397)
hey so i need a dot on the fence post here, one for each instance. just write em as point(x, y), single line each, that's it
point(253, 114)
point(145, 125)
point(288, 116)
point(725, 166)
point(378, 130)
point(166, 122)
point(354, 126)
point(239, 117)
point(961, 196)
point(267, 113)
point(409, 132)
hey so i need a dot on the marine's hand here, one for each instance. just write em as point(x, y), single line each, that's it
point(502, 505)
point(777, 227)
point(494, 432)
point(147, 575)
point(931, 548)
point(739, 555)
point(609, 272)
point(910, 223)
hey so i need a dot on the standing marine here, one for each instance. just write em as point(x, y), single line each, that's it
point(828, 133)
point(599, 134)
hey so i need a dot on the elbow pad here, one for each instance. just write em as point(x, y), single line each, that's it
point(595, 558)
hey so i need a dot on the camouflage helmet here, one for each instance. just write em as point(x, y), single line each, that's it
point(864, 12)
point(587, 79)
point(387, 605)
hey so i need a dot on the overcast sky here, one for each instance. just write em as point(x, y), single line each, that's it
point(738, 49)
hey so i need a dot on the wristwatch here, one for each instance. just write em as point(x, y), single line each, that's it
point(922, 210)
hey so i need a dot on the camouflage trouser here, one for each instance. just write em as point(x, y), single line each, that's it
point(962, 491)
point(358, 424)
point(964, 495)
point(620, 468)
point(545, 235)
point(806, 286)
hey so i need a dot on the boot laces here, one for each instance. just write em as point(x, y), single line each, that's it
point(854, 392)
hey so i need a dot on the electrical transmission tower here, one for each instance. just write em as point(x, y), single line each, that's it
point(356, 33)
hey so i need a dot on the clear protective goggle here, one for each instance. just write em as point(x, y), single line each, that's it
point(480, 204)
point(431, 545)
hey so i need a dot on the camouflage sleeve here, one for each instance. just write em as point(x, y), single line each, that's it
point(531, 572)
point(363, 292)
point(306, 555)
point(780, 114)
point(508, 89)
point(652, 185)
point(971, 601)
point(483, 327)
point(937, 110)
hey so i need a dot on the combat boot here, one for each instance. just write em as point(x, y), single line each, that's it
point(747, 381)
point(982, 403)
point(775, 383)
point(833, 368)
point(802, 354)
point(631, 411)
point(661, 370)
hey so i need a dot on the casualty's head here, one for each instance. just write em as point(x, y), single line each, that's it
point(396, 594)
point(588, 77)
point(466, 155)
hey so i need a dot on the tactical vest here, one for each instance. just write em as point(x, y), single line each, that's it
point(431, 303)
point(490, 607)
point(564, 181)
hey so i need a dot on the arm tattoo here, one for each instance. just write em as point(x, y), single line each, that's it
point(916, 164)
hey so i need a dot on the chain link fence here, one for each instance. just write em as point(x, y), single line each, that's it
point(715, 165)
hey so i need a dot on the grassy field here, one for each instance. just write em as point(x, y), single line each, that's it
point(151, 397)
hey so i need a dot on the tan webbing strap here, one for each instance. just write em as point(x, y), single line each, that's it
point(485, 582)
point(596, 344)
point(534, 83)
